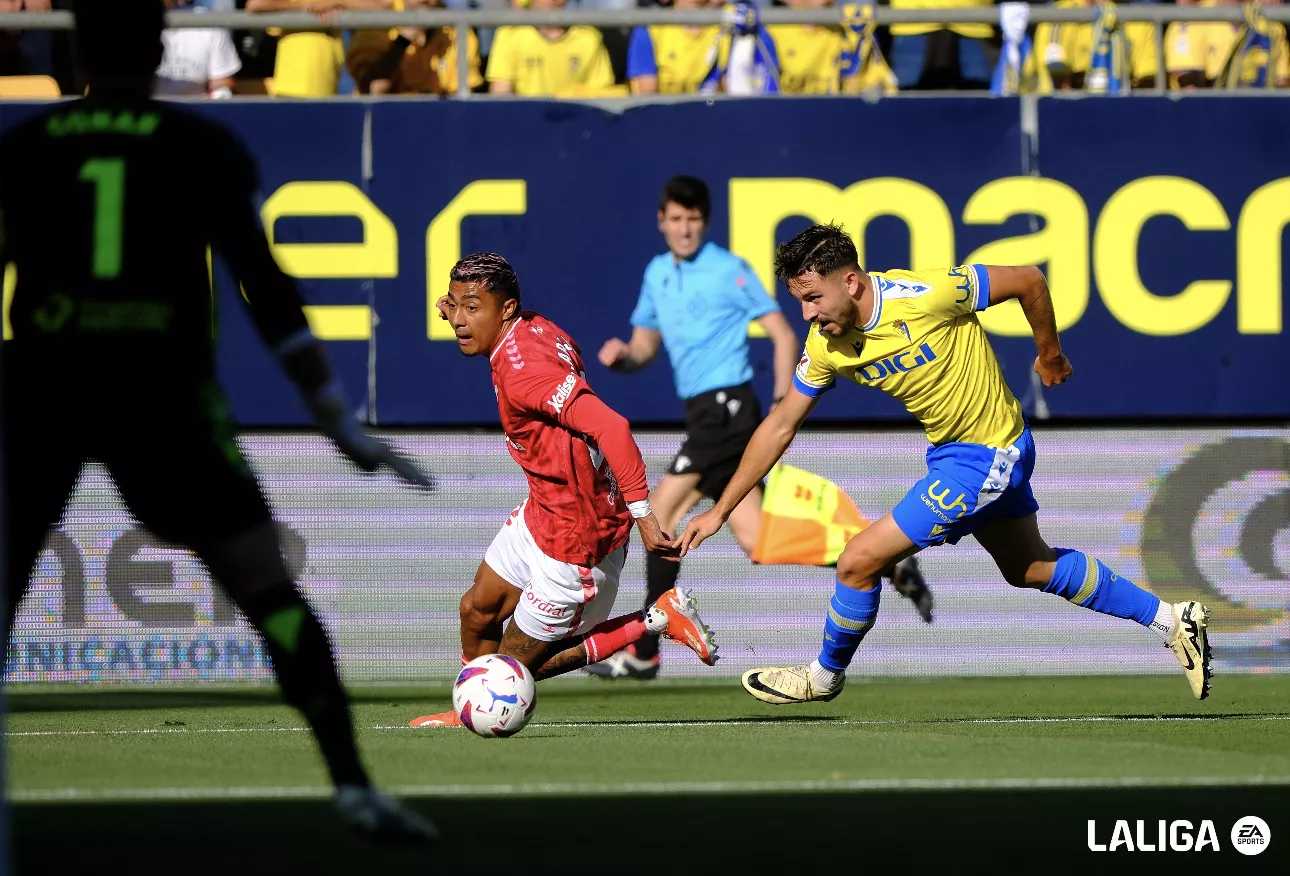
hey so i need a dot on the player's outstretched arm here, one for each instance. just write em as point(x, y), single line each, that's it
point(277, 310)
point(764, 449)
point(632, 355)
point(608, 430)
point(1028, 286)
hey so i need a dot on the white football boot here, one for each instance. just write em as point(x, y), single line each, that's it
point(780, 686)
point(1190, 644)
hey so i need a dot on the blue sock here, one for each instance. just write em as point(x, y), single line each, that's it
point(851, 614)
point(1087, 582)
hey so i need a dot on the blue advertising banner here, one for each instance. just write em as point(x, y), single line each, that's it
point(1166, 261)
point(318, 238)
point(570, 194)
point(1159, 222)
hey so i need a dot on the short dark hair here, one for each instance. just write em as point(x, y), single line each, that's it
point(490, 269)
point(118, 39)
point(820, 248)
point(688, 191)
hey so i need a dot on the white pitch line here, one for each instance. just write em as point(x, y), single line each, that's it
point(158, 731)
point(890, 722)
point(737, 722)
point(55, 795)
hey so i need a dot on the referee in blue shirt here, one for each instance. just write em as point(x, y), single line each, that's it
point(697, 300)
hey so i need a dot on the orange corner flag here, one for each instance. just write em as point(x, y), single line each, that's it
point(805, 519)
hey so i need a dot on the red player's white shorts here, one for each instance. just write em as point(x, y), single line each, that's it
point(559, 599)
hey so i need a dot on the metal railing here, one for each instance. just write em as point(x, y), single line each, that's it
point(464, 19)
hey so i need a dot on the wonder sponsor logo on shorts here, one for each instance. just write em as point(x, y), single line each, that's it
point(562, 393)
point(939, 500)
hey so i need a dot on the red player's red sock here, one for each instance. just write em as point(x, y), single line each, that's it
point(613, 635)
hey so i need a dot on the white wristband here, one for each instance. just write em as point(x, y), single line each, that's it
point(640, 509)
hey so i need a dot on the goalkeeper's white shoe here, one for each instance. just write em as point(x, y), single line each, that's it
point(382, 819)
point(1190, 644)
point(780, 686)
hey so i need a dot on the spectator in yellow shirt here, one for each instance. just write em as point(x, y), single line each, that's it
point(935, 56)
point(1067, 50)
point(1189, 46)
point(1198, 53)
point(308, 63)
point(812, 57)
point(673, 59)
point(549, 61)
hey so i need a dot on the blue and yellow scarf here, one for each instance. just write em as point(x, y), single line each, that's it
point(1257, 53)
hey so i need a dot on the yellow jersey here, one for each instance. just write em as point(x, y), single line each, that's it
point(534, 65)
point(810, 61)
point(977, 31)
point(1197, 47)
point(1207, 47)
point(1070, 46)
point(307, 64)
point(681, 58)
point(925, 347)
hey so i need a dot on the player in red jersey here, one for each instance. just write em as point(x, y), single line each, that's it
point(548, 581)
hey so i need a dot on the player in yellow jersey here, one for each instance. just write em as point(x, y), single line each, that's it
point(915, 335)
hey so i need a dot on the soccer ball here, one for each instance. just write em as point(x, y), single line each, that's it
point(494, 695)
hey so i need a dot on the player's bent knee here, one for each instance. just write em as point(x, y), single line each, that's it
point(475, 617)
point(1016, 578)
point(859, 568)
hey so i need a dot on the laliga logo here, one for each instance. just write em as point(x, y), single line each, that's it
point(1250, 836)
point(1178, 837)
point(1241, 478)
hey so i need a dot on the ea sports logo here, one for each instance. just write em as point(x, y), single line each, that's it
point(1251, 835)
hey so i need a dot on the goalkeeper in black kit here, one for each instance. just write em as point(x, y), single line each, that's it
point(107, 205)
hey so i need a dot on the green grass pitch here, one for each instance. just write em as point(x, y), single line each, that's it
point(225, 780)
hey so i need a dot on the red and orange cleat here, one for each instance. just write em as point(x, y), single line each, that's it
point(676, 616)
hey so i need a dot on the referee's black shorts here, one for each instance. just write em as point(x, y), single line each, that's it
point(718, 426)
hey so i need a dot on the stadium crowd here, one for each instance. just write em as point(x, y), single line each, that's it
point(741, 55)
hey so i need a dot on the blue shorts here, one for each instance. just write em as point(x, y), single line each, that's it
point(966, 486)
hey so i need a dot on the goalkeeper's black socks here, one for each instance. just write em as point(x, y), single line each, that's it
point(660, 577)
point(302, 659)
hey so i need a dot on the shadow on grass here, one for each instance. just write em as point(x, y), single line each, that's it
point(685, 834)
point(118, 699)
point(1093, 718)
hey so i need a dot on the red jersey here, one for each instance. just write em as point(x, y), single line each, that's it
point(576, 511)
